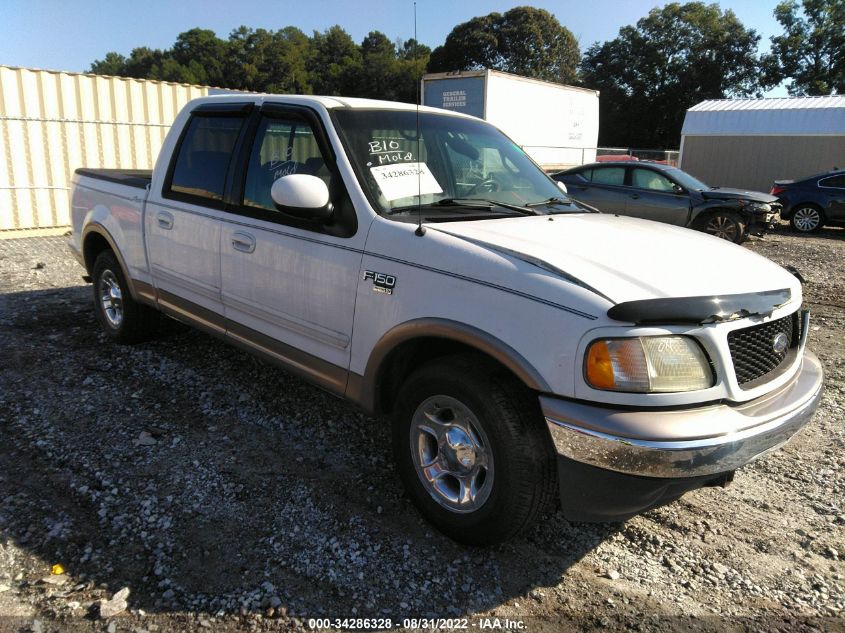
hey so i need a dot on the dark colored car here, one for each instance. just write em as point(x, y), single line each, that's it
point(811, 203)
point(666, 194)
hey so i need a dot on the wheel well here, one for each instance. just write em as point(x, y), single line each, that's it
point(705, 215)
point(93, 246)
point(814, 205)
point(410, 355)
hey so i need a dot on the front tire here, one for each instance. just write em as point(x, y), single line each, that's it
point(472, 450)
point(123, 319)
point(806, 219)
point(726, 225)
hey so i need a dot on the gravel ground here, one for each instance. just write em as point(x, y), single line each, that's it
point(226, 494)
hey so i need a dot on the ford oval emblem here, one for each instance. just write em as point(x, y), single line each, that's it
point(779, 343)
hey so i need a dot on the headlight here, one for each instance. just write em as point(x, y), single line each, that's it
point(647, 364)
point(757, 207)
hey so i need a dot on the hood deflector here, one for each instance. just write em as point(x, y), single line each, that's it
point(699, 309)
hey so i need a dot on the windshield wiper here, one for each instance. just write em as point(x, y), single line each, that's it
point(549, 201)
point(466, 203)
point(483, 203)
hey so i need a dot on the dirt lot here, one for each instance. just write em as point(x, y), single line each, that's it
point(226, 494)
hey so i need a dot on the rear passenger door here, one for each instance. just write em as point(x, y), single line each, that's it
point(652, 196)
point(833, 189)
point(288, 284)
point(183, 219)
point(604, 189)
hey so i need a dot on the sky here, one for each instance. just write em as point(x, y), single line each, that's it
point(62, 35)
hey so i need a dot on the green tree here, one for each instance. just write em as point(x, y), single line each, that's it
point(202, 54)
point(379, 67)
point(673, 58)
point(112, 64)
point(267, 61)
point(524, 40)
point(811, 50)
point(411, 65)
point(335, 63)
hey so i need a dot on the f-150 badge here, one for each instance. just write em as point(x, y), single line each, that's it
point(381, 283)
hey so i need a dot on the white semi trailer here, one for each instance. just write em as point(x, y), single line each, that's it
point(557, 125)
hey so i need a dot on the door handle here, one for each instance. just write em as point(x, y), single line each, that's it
point(165, 220)
point(635, 196)
point(243, 242)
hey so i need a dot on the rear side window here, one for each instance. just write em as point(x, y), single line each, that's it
point(609, 176)
point(204, 155)
point(834, 181)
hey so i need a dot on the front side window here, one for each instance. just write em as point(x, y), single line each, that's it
point(283, 146)
point(204, 155)
point(453, 160)
point(650, 179)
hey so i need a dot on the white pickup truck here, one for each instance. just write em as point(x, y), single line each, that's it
point(417, 263)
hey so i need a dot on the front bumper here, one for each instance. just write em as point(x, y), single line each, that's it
point(764, 222)
point(591, 440)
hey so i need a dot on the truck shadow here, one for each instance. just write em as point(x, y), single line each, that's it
point(208, 481)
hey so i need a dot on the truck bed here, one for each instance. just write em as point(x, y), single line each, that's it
point(138, 178)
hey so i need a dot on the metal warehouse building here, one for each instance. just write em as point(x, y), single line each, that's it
point(749, 143)
point(53, 122)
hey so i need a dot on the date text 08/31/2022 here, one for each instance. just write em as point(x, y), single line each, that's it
point(449, 624)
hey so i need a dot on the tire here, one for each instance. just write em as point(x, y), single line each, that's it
point(484, 428)
point(726, 225)
point(122, 318)
point(806, 218)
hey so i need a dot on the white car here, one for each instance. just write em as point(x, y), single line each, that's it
point(419, 264)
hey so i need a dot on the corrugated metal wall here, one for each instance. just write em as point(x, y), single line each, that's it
point(52, 123)
point(754, 162)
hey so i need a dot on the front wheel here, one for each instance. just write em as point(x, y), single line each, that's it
point(472, 450)
point(726, 225)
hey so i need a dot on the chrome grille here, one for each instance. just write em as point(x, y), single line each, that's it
point(753, 353)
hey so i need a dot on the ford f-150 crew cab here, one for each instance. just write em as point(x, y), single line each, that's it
point(417, 263)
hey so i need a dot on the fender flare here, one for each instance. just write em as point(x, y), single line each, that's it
point(364, 390)
point(95, 228)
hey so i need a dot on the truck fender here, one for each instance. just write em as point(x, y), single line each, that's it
point(365, 390)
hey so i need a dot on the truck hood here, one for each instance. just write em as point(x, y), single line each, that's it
point(627, 259)
point(734, 194)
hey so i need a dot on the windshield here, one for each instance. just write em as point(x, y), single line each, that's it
point(456, 162)
point(685, 180)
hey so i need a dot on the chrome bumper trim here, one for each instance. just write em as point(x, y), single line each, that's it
point(773, 421)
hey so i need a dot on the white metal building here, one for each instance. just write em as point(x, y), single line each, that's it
point(749, 143)
point(53, 122)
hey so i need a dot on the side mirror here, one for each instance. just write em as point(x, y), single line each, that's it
point(677, 189)
point(302, 196)
point(562, 186)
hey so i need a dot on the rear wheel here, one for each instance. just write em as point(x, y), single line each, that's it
point(472, 450)
point(806, 219)
point(123, 319)
point(726, 225)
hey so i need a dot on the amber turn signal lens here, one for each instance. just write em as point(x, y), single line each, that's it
point(600, 367)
